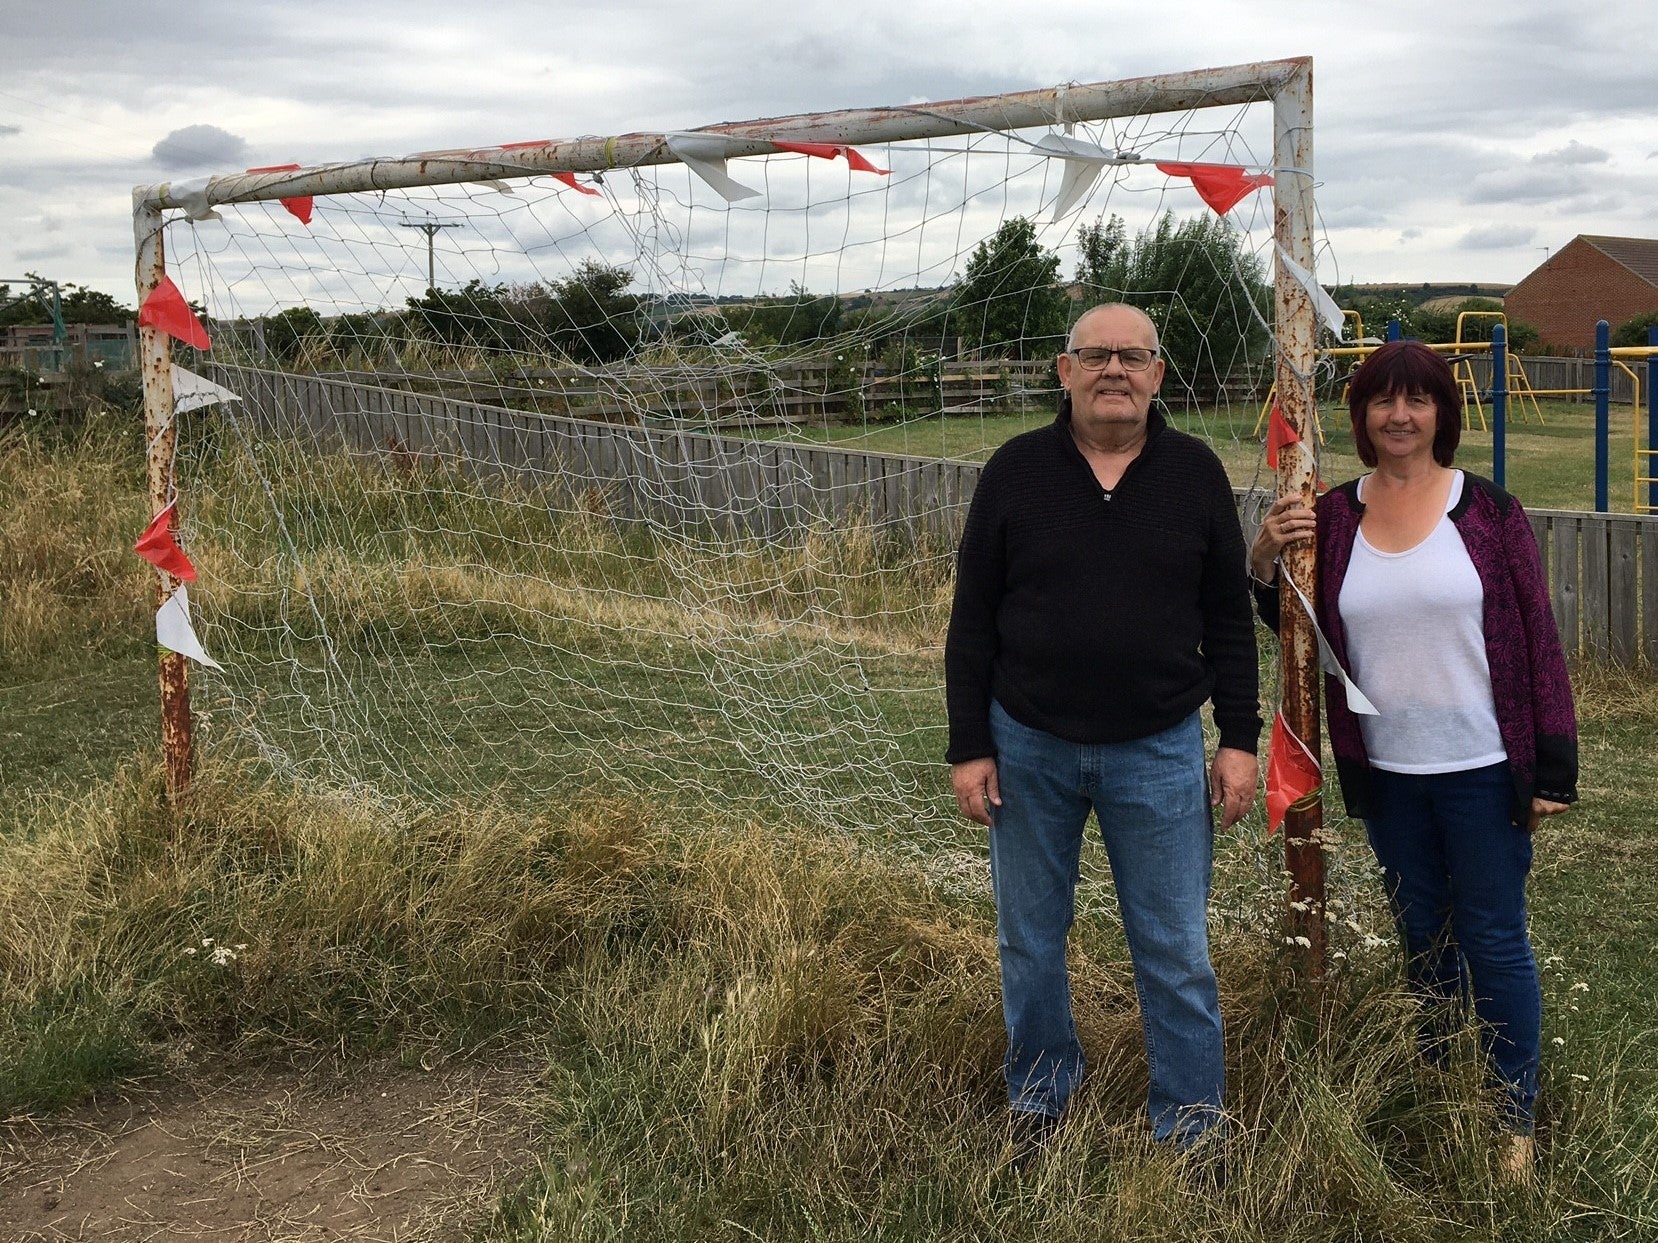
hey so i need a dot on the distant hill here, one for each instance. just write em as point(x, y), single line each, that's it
point(1418, 292)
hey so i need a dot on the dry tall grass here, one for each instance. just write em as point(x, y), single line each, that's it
point(754, 1031)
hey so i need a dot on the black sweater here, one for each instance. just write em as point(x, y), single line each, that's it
point(1101, 619)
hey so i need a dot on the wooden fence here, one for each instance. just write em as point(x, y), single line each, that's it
point(740, 394)
point(1602, 568)
point(1562, 379)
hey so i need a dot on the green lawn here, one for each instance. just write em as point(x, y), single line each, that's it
point(1551, 460)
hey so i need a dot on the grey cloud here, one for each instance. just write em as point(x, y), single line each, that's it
point(1526, 183)
point(6, 131)
point(1496, 237)
point(37, 254)
point(199, 146)
point(1353, 216)
point(1573, 152)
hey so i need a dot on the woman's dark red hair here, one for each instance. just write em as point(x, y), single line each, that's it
point(1407, 367)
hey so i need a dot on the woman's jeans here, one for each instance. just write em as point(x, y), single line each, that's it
point(1151, 797)
point(1456, 870)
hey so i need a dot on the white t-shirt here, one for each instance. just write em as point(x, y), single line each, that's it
point(1415, 630)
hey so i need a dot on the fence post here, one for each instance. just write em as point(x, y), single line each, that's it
point(1603, 409)
point(1499, 405)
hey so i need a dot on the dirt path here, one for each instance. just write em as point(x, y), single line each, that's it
point(368, 1153)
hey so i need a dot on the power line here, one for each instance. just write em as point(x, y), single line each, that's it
point(430, 229)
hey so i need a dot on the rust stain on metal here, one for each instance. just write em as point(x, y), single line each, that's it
point(175, 723)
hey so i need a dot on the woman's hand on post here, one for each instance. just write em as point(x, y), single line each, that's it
point(1287, 522)
point(977, 791)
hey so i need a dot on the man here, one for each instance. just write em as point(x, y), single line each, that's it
point(1101, 598)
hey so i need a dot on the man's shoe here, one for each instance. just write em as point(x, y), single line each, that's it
point(1030, 1134)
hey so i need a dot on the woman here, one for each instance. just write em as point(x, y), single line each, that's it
point(1432, 596)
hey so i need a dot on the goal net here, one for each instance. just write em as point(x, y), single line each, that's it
point(637, 463)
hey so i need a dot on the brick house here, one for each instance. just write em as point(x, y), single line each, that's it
point(1589, 278)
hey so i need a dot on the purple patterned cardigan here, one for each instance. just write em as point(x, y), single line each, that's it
point(1529, 683)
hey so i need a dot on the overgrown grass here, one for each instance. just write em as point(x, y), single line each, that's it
point(752, 1030)
point(755, 1028)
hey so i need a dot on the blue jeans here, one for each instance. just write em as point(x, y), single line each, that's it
point(1456, 872)
point(1151, 797)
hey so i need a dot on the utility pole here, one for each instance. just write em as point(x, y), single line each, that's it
point(430, 229)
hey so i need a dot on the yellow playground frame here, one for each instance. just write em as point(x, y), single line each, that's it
point(1462, 366)
point(1519, 388)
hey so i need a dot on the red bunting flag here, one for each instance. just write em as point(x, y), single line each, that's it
point(160, 549)
point(1293, 778)
point(569, 179)
point(166, 311)
point(828, 151)
point(1280, 435)
point(541, 144)
point(300, 207)
point(1221, 186)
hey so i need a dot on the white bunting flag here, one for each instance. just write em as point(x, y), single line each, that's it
point(704, 155)
point(191, 391)
point(1083, 163)
point(174, 631)
point(1357, 700)
point(1323, 303)
point(192, 196)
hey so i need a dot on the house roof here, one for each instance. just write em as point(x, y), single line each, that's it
point(1638, 254)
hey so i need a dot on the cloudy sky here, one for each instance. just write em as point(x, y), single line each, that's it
point(1454, 142)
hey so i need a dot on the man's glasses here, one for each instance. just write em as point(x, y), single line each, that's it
point(1094, 358)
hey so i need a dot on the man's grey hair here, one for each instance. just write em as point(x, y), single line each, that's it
point(1071, 341)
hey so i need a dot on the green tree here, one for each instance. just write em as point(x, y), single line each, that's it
point(92, 306)
point(590, 317)
point(1102, 260)
point(1633, 332)
point(473, 316)
point(1010, 300)
point(32, 304)
point(1201, 286)
point(793, 320)
point(1438, 325)
point(288, 332)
